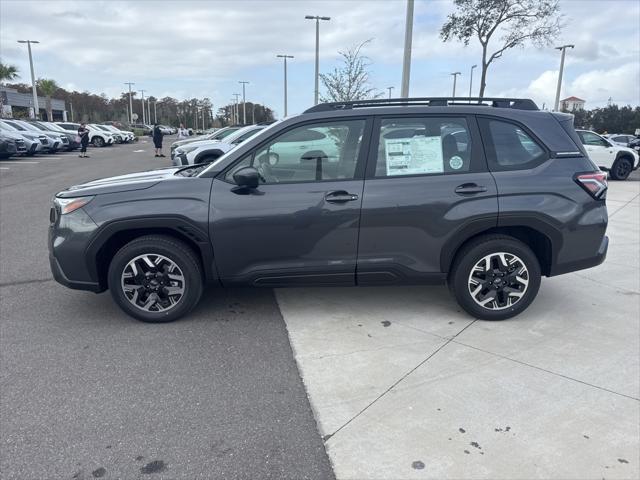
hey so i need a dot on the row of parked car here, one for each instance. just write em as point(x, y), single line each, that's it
point(28, 137)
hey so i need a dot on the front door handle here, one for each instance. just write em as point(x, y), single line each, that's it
point(470, 189)
point(340, 196)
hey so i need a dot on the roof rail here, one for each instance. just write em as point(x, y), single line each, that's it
point(516, 103)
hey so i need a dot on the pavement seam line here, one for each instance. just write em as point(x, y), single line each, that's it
point(544, 370)
point(25, 282)
point(431, 355)
point(627, 203)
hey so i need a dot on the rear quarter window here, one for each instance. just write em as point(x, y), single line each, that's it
point(509, 146)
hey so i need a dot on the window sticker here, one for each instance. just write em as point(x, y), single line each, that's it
point(456, 162)
point(414, 156)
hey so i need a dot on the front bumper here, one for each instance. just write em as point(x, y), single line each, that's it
point(68, 238)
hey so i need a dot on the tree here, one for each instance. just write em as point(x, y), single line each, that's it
point(351, 80)
point(48, 87)
point(514, 22)
point(8, 72)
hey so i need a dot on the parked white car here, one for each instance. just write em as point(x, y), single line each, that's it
point(617, 160)
point(126, 135)
point(206, 151)
point(51, 142)
point(621, 139)
point(32, 140)
point(97, 136)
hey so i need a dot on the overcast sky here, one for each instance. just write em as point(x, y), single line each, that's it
point(188, 49)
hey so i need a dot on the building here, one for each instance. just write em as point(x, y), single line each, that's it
point(571, 104)
point(16, 104)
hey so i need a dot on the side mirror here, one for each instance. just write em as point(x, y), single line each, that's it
point(247, 177)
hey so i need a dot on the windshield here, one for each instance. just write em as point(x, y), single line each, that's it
point(7, 128)
point(29, 126)
point(15, 126)
point(212, 166)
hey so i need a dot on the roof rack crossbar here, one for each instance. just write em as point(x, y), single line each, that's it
point(497, 102)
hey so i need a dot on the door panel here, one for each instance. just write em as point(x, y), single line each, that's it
point(285, 234)
point(407, 222)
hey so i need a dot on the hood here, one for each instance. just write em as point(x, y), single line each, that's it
point(203, 143)
point(186, 141)
point(121, 183)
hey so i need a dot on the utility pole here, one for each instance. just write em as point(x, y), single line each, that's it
point(143, 117)
point(149, 109)
point(285, 82)
point(71, 106)
point(389, 88)
point(233, 113)
point(406, 62)
point(471, 79)
point(130, 102)
point(36, 108)
point(244, 103)
point(237, 108)
point(155, 111)
point(317, 19)
point(562, 49)
point(455, 75)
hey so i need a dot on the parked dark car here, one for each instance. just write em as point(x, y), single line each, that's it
point(487, 197)
point(8, 146)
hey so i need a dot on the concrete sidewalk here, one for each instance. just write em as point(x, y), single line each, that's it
point(405, 385)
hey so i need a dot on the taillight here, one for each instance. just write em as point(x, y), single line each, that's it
point(595, 183)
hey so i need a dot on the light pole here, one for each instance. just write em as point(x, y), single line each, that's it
point(149, 109)
point(71, 106)
point(130, 101)
point(455, 76)
point(244, 103)
point(155, 111)
point(389, 88)
point(406, 62)
point(562, 49)
point(143, 118)
point(36, 108)
point(471, 79)
point(317, 19)
point(237, 108)
point(285, 81)
point(233, 112)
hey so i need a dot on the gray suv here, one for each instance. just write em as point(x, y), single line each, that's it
point(486, 195)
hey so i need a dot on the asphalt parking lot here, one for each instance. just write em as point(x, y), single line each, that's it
point(402, 384)
point(87, 392)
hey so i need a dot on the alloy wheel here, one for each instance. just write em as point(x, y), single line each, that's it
point(153, 283)
point(498, 281)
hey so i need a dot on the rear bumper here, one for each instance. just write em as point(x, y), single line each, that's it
point(583, 263)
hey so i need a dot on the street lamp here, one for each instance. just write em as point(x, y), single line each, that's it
point(233, 112)
point(562, 49)
point(317, 19)
point(36, 110)
point(455, 76)
point(244, 103)
point(389, 88)
point(285, 81)
point(237, 108)
point(144, 121)
point(406, 61)
point(130, 102)
point(471, 79)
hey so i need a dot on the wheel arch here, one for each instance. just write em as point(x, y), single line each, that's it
point(113, 236)
point(542, 244)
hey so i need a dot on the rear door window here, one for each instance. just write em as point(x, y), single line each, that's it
point(423, 146)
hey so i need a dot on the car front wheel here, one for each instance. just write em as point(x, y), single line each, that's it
point(495, 277)
point(155, 279)
point(621, 168)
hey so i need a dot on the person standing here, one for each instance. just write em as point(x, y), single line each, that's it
point(83, 133)
point(157, 140)
point(183, 133)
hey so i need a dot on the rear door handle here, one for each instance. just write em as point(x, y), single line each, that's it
point(470, 189)
point(340, 197)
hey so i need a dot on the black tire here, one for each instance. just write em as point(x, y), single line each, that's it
point(98, 141)
point(471, 254)
point(175, 251)
point(621, 168)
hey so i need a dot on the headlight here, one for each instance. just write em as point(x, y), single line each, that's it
point(68, 205)
point(186, 149)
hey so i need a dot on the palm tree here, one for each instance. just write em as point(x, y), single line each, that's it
point(8, 72)
point(48, 87)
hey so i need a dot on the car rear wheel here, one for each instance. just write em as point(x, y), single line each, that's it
point(155, 279)
point(621, 168)
point(98, 141)
point(495, 277)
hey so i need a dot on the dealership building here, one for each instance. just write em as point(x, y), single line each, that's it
point(16, 104)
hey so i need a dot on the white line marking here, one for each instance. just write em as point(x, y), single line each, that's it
point(4, 168)
point(3, 161)
point(138, 151)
